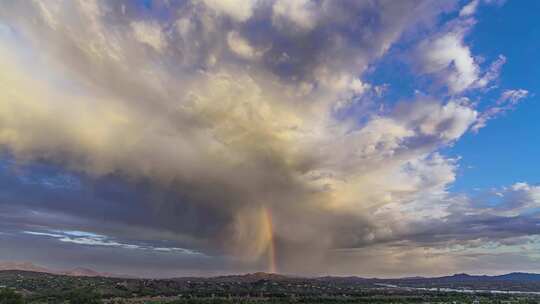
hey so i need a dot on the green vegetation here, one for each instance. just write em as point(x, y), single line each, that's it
point(41, 288)
point(8, 296)
point(84, 296)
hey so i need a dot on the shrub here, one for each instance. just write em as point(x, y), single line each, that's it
point(8, 296)
point(84, 296)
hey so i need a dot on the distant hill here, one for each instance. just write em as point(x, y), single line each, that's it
point(75, 272)
point(23, 266)
point(529, 282)
point(253, 277)
point(85, 272)
point(463, 277)
point(510, 281)
point(520, 276)
point(34, 279)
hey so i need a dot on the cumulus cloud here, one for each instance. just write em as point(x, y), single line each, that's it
point(450, 59)
point(447, 57)
point(240, 46)
point(149, 33)
point(236, 9)
point(301, 14)
point(219, 120)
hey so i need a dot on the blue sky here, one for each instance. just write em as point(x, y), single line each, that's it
point(507, 150)
point(165, 138)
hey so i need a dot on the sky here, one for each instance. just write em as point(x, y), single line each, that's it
point(307, 137)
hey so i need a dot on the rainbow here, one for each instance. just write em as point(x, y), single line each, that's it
point(269, 232)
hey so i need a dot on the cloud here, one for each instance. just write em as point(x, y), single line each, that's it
point(469, 9)
point(506, 102)
point(240, 46)
point(214, 127)
point(447, 57)
point(492, 73)
point(92, 239)
point(150, 34)
point(301, 14)
point(237, 9)
point(438, 228)
point(512, 97)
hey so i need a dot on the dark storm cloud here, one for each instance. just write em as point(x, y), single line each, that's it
point(106, 205)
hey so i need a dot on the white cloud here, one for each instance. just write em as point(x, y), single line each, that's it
point(149, 33)
point(92, 239)
point(446, 57)
point(299, 13)
point(512, 97)
point(450, 60)
point(506, 102)
point(492, 73)
point(469, 9)
point(239, 10)
point(43, 234)
point(448, 122)
point(241, 46)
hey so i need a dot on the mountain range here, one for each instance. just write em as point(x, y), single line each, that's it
point(258, 276)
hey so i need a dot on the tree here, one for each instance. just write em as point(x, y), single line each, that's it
point(8, 296)
point(84, 296)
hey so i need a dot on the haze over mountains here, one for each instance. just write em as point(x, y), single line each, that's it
point(264, 276)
